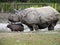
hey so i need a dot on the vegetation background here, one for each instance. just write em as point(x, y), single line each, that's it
point(9, 5)
point(28, 38)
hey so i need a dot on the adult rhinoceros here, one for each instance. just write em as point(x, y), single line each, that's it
point(40, 18)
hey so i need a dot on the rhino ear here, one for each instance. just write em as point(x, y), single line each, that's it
point(15, 10)
point(20, 9)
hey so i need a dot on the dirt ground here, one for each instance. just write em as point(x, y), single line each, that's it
point(4, 17)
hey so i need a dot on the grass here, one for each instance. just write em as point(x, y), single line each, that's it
point(29, 39)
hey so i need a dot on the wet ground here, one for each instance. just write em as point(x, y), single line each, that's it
point(3, 27)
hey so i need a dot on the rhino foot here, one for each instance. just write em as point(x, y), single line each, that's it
point(35, 27)
point(51, 27)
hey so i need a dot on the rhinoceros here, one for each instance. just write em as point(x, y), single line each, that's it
point(13, 18)
point(39, 18)
point(16, 27)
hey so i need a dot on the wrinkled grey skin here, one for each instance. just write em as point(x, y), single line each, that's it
point(16, 27)
point(13, 18)
point(39, 18)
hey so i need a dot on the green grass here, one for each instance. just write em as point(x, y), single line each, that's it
point(29, 39)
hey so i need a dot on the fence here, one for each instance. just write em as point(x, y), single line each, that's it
point(9, 7)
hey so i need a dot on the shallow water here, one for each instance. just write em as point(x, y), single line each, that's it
point(3, 27)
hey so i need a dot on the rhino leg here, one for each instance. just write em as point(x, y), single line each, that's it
point(35, 27)
point(51, 27)
point(31, 28)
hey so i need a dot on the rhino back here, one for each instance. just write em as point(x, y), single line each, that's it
point(32, 15)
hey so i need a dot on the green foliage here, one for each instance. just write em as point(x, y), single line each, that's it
point(6, 6)
point(9, 7)
point(32, 1)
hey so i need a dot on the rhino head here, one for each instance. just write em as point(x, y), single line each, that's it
point(14, 18)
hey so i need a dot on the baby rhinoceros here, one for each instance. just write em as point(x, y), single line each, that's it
point(16, 27)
